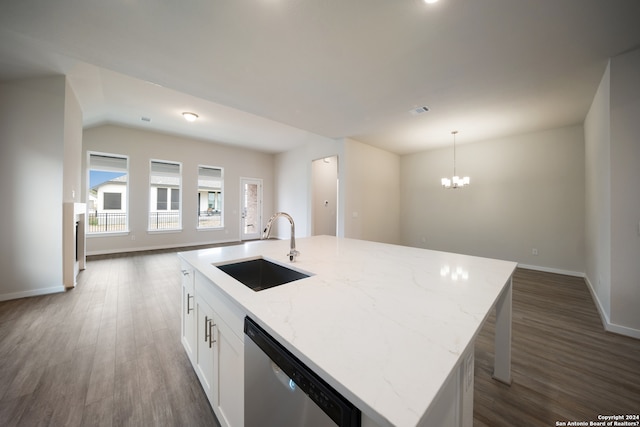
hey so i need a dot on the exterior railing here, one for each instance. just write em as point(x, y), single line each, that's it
point(167, 220)
point(209, 219)
point(104, 222)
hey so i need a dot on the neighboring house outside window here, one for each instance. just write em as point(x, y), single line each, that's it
point(210, 213)
point(108, 193)
point(112, 201)
point(165, 180)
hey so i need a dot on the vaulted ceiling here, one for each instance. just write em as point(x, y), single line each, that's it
point(266, 74)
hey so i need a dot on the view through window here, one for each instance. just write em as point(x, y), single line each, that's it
point(108, 189)
point(164, 198)
point(210, 197)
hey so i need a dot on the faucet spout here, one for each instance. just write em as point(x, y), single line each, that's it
point(293, 253)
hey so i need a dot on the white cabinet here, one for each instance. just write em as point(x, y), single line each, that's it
point(453, 406)
point(230, 371)
point(205, 350)
point(217, 348)
point(188, 318)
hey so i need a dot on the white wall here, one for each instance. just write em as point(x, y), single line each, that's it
point(324, 196)
point(372, 193)
point(141, 146)
point(33, 130)
point(526, 192)
point(625, 191)
point(598, 197)
point(72, 179)
point(293, 184)
point(368, 190)
point(612, 196)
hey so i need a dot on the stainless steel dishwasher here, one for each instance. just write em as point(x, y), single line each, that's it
point(281, 391)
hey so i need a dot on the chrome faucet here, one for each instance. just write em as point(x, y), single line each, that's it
point(293, 253)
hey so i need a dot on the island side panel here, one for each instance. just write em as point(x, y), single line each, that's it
point(502, 361)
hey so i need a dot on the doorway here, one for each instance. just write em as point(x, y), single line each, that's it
point(250, 208)
point(325, 196)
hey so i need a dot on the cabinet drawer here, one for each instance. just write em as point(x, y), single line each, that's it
point(187, 274)
point(227, 309)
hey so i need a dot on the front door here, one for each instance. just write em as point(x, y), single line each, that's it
point(251, 208)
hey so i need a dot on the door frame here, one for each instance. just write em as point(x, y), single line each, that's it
point(258, 232)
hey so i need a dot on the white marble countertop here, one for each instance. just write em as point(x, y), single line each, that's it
point(383, 324)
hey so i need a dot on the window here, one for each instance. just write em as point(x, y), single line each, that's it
point(112, 201)
point(108, 179)
point(164, 196)
point(175, 199)
point(210, 197)
point(161, 202)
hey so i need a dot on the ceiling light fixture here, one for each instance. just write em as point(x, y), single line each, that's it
point(419, 110)
point(430, 1)
point(190, 117)
point(456, 181)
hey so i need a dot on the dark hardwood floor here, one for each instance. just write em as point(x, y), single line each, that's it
point(108, 353)
point(565, 367)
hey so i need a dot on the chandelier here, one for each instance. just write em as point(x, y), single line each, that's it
point(456, 181)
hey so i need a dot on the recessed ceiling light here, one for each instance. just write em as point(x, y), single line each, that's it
point(430, 1)
point(190, 117)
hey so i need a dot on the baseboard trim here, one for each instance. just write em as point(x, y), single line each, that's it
point(604, 317)
point(622, 330)
point(552, 270)
point(159, 247)
point(33, 293)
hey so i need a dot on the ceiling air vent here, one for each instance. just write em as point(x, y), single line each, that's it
point(419, 110)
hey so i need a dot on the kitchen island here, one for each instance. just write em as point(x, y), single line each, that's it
point(391, 328)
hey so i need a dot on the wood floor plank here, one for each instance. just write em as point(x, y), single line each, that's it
point(101, 383)
point(99, 413)
point(128, 397)
point(12, 410)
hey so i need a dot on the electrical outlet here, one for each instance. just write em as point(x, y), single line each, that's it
point(534, 251)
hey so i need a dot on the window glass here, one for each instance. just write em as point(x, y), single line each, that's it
point(164, 196)
point(112, 201)
point(210, 180)
point(108, 179)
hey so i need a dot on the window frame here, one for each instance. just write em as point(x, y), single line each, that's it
point(220, 199)
point(89, 198)
point(169, 202)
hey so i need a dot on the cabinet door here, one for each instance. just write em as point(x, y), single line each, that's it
point(188, 323)
point(205, 349)
point(230, 372)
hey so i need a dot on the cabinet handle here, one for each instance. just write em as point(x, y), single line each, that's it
point(207, 330)
point(189, 308)
point(211, 340)
point(208, 334)
point(185, 272)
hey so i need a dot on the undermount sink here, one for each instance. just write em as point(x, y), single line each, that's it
point(259, 274)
